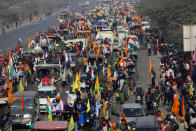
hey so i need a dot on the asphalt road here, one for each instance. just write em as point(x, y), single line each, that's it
point(9, 40)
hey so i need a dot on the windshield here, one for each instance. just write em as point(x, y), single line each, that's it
point(51, 73)
point(146, 24)
point(44, 94)
point(133, 112)
point(27, 102)
point(146, 129)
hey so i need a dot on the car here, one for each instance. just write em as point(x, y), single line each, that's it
point(31, 112)
point(135, 38)
point(145, 25)
point(45, 91)
point(132, 112)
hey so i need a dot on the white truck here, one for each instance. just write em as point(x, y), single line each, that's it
point(45, 91)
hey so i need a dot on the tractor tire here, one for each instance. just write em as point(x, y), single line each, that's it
point(7, 126)
point(122, 98)
point(126, 92)
point(113, 105)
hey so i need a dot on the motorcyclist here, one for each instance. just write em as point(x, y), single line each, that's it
point(139, 91)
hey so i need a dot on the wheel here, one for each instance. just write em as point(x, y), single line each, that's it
point(122, 98)
point(7, 126)
point(126, 92)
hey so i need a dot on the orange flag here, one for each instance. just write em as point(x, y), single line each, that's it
point(175, 107)
point(162, 117)
point(22, 102)
point(37, 34)
point(124, 118)
point(109, 73)
point(126, 49)
point(150, 67)
point(104, 106)
point(29, 44)
point(182, 109)
point(59, 20)
point(10, 94)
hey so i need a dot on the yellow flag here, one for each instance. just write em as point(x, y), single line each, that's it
point(88, 106)
point(55, 44)
point(191, 90)
point(21, 87)
point(97, 83)
point(71, 124)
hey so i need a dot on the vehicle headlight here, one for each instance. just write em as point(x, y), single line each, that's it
point(27, 116)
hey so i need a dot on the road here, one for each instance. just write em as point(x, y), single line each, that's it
point(9, 40)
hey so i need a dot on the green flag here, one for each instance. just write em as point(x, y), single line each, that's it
point(49, 112)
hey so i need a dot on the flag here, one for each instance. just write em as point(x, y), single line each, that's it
point(132, 44)
point(124, 30)
point(37, 34)
point(77, 14)
point(10, 94)
point(21, 87)
point(182, 108)
point(122, 61)
point(194, 57)
point(29, 44)
point(176, 104)
point(109, 74)
point(80, 23)
point(126, 49)
point(97, 83)
point(11, 67)
point(191, 90)
point(59, 20)
point(71, 124)
point(150, 67)
point(162, 118)
point(48, 108)
point(104, 106)
point(124, 118)
point(92, 75)
point(87, 69)
point(22, 101)
point(27, 68)
point(88, 106)
point(55, 44)
point(88, 21)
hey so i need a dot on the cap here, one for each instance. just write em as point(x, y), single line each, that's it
point(114, 124)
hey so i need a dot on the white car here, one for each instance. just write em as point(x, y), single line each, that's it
point(45, 91)
point(145, 25)
point(135, 38)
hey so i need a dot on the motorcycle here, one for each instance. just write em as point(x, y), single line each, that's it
point(154, 107)
point(139, 99)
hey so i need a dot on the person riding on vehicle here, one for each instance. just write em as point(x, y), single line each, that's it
point(57, 105)
point(139, 91)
